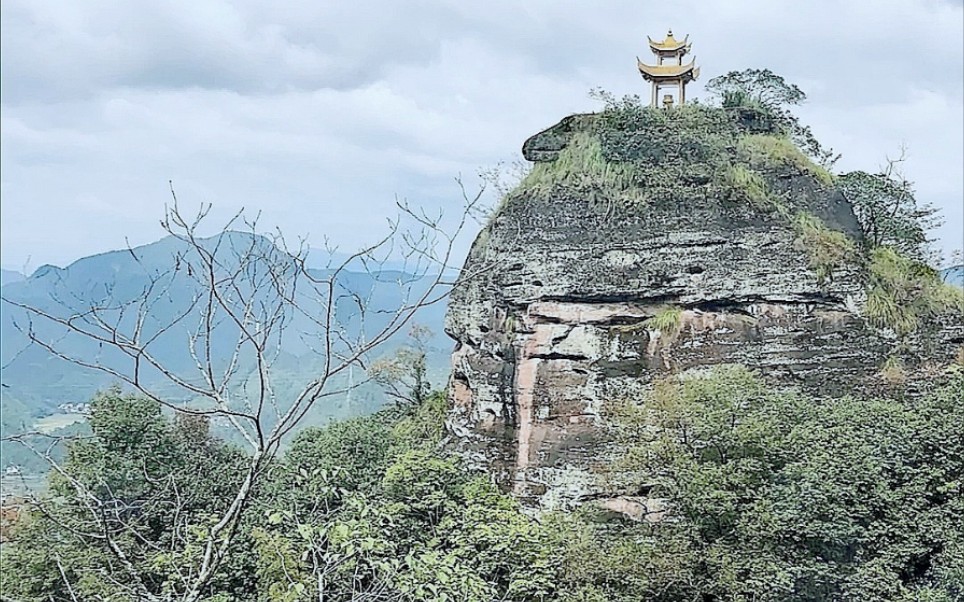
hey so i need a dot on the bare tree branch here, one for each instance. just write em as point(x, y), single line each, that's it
point(249, 295)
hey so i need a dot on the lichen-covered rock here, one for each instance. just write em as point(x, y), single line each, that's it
point(582, 302)
point(545, 145)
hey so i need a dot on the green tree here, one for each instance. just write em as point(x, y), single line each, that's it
point(888, 211)
point(404, 375)
point(765, 98)
point(126, 507)
point(760, 86)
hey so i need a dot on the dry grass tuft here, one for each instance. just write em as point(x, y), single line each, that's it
point(827, 250)
point(893, 371)
point(903, 293)
point(770, 150)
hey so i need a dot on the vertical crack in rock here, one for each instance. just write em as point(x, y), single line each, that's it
point(526, 373)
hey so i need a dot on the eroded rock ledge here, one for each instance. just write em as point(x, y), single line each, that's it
point(560, 323)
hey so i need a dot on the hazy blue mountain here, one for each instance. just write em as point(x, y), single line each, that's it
point(40, 381)
point(954, 275)
point(321, 259)
point(9, 277)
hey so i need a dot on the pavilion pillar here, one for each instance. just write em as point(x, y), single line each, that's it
point(682, 92)
point(654, 101)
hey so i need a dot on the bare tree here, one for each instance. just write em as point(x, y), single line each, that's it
point(259, 293)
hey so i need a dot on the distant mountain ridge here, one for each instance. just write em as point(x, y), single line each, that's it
point(41, 381)
point(10, 276)
point(954, 275)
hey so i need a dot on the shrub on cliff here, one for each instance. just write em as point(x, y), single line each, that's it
point(761, 96)
point(888, 211)
point(777, 496)
point(904, 293)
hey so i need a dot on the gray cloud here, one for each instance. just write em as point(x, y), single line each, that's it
point(57, 50)
point(318, 114)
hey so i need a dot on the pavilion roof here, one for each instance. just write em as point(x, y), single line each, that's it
point(658, 72)
point(669, 44)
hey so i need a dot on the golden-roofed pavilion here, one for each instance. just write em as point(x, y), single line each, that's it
point(669, 70)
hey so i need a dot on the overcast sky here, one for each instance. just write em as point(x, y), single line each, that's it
point(319, 113)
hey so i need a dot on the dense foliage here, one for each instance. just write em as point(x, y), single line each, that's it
point(778, 496)
point(129, 499)
point(768, 495)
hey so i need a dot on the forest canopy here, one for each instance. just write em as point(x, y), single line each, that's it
point(774, 496)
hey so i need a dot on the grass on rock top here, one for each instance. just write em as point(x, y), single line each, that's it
point(764, 151)
point(744, 185)
point(640, 155)
point(581, 166)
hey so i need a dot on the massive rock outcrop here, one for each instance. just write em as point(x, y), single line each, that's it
point(584, 299)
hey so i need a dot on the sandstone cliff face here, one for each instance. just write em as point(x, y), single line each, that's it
point(561, 322)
